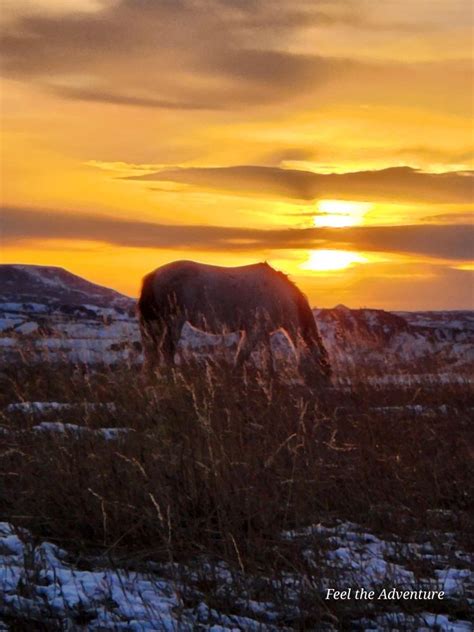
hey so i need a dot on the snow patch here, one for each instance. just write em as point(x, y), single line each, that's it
point(43, 408)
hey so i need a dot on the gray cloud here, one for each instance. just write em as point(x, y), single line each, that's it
point(161, 46)
point(453, 242)
point(81, 94)
point(394, 184)
point(228, 52)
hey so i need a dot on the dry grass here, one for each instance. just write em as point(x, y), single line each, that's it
point(219, 466)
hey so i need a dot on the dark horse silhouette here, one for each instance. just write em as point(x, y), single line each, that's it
point(253, 299)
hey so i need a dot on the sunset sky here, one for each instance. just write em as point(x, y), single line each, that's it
point(332, 138)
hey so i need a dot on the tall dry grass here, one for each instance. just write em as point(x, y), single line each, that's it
point(215, 459)
point(219, 465)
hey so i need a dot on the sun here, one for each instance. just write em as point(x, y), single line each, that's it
point(327, 260)
point(340, 213)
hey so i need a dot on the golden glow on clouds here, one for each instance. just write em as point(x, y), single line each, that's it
point(328, 260)
point(340, 213)
point(465, 266)
point(373, 85)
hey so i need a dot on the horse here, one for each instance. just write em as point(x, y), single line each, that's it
point(254, 300)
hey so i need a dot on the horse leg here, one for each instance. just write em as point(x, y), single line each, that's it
point(247, 344)
point(290, 364)
point(256, 341)
point(150, 349)
point(168, 344)
point(314, 363)
point(266, 354)
point(159, 340)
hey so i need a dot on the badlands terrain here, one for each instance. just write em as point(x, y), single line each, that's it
point(202, 503)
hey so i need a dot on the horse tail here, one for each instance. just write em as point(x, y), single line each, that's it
point(147, 301)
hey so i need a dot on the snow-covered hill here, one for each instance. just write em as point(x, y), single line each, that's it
point(459, 319)
point(418, 341)
point(55, 286)
point(47, 313)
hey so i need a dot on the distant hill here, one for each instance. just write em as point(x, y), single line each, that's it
point(54, 286)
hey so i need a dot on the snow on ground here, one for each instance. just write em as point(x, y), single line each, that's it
point(365, 560)
point(425, 622)
point(421, 378)
point(8, 343)
point(9, 323)
point(418, 410)
point(197, 344)
point(111, 598)
point(27, 328)
point(42, 408)
point(42, 582)
point(57, 427)
point(39, 581)
point(94, 350)
point(95, 334)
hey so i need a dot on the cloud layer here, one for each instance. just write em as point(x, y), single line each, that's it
point(266, 105)
point(393, 184)
point(439, 241)
point(221, 54)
